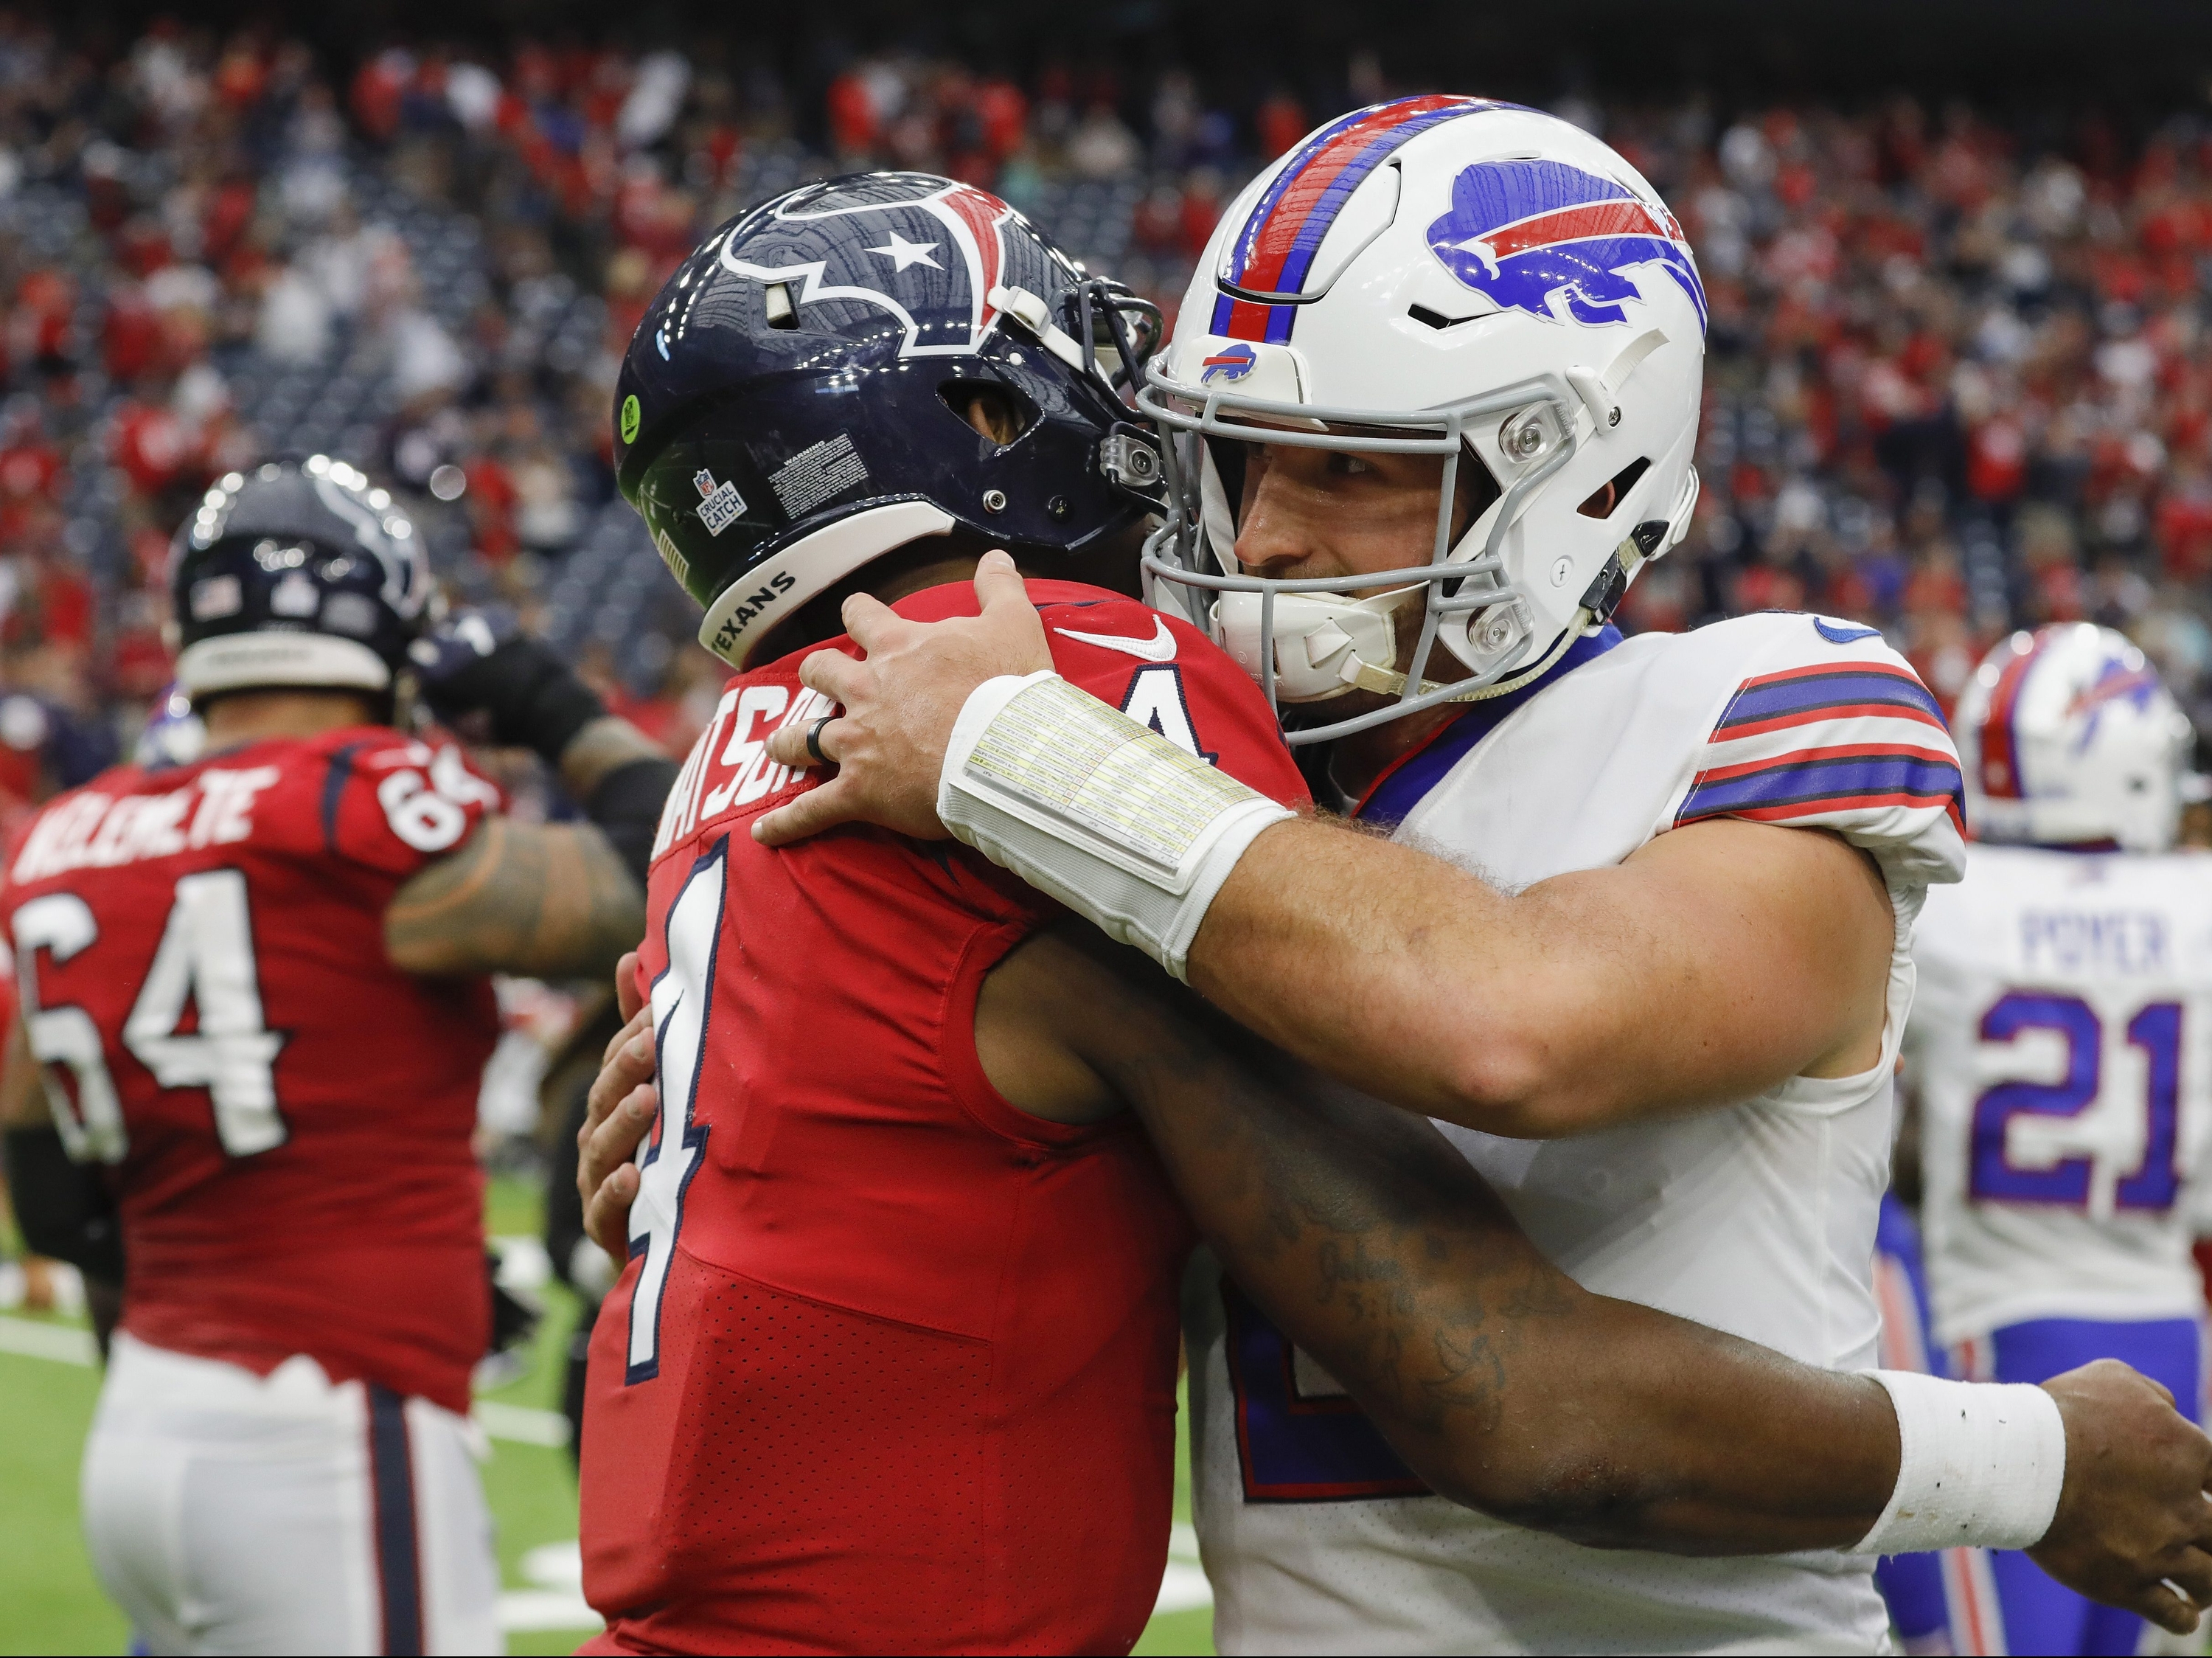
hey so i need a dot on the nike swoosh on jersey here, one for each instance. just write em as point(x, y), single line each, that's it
point(1160, 648)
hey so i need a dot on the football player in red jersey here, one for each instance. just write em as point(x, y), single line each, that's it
point(254, 985)
point(892, 1363)
point(887, 1366)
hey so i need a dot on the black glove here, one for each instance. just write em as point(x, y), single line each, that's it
point(63, 1208)
point(482, 662)
point(514, 1318)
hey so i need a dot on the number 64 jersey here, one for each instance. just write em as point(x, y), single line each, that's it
point(2062, 1046)
point(287, 1116)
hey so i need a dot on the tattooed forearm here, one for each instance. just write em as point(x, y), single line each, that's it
point(1375, 1246)
point(551, 900)
point(1358, 1227)
point(1358, 1223)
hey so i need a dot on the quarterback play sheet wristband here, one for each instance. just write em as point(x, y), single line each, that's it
point(1980, 1465)
point(1103, 814)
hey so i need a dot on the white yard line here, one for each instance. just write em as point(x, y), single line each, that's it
point(35, 1338)
point(540, 1610)
point(1183, 1586)
point(69, 1344)
point(555, 1601)
point(522, 1424)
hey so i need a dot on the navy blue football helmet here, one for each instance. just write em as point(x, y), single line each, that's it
point(296, 573)
point(799, 400)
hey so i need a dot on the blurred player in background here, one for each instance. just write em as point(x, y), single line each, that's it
point(254, 981)
point(2061, 1049)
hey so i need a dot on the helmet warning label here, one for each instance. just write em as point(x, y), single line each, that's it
point(816, 473)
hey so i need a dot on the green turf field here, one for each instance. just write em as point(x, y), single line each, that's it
point(49, 1602)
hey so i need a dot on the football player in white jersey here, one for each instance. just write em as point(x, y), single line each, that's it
point(1432, 402)
point(2059, 1050)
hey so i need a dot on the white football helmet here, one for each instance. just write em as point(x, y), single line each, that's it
point(2067, 737)
point(1436, 276)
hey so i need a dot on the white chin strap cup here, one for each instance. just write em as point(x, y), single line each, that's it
point(1322, 641)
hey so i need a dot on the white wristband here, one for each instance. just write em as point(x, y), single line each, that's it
point(1103, 814)
point(1981, 1465)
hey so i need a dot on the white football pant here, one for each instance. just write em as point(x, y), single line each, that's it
point(232, 1513)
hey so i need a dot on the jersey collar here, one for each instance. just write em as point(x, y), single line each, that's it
point(1406, 780)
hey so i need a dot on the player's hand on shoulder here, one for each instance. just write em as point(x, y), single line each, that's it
point(898, 706)
point(2133, 1521)
point(619, 1115)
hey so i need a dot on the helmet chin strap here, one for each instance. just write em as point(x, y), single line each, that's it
point(1627, 557)
point(1389, 682)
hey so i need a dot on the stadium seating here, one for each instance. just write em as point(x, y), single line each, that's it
point(1956, 384)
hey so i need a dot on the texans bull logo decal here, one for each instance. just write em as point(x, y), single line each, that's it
point(1547, 238)
point(931, 260)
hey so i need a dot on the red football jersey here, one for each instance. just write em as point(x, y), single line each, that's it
point(892, 1366)
point(200, 952)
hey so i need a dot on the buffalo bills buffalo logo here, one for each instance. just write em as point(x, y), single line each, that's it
point(1557, 242)
point(1231, 362)
point(2116, 682)
point(927, 255)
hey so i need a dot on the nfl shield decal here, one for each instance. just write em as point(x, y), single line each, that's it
point(1549, 239)
point(927, 257)
point(720, 504)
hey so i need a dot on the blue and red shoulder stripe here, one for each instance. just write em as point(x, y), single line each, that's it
point(1807, 696)
point(1824, 740)
point(1814, 782)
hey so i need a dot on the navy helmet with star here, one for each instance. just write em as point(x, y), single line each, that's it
point(798, 400)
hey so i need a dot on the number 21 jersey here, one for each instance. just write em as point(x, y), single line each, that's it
point(202, 973)
point(2060, 1050)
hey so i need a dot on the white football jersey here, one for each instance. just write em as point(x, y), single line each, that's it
point(2062, 1052)
point(1758, 1219)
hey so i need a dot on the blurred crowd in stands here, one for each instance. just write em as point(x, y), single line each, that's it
point(1960, 379)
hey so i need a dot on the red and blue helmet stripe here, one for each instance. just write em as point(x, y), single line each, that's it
point(2000, 749)
point(1274, 250)
point(2115, 681)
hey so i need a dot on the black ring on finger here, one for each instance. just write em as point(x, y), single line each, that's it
point(814, 739)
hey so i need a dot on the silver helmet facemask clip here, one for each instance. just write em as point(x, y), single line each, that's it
point(1467, 600)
